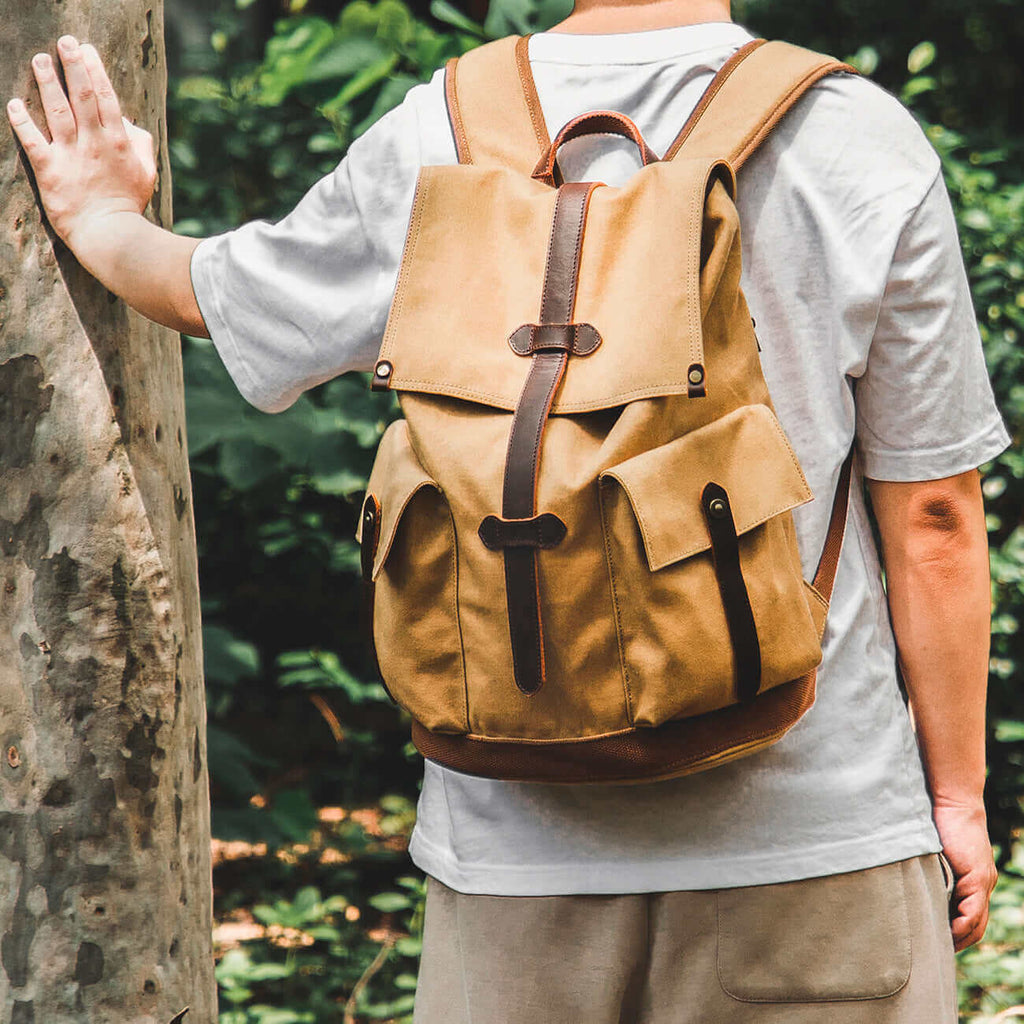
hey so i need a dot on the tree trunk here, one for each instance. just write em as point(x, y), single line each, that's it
point(105, 895)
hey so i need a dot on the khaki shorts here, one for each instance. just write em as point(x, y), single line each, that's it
point(868, 947)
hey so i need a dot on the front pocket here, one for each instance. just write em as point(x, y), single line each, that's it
point(818, 940)
point(415, 576)
point(677, 642)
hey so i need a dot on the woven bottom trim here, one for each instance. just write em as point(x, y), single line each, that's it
point(644, 755)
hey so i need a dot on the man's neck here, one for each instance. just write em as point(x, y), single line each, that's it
point(610, 16)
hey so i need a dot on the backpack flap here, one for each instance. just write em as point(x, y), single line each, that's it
point(474, 265)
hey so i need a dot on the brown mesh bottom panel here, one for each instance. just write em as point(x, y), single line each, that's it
point(644, 755)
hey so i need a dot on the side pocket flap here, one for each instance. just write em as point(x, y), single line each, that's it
point(746, 452)
point(395, 478)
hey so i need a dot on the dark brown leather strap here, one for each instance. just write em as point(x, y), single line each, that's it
point(597, 122)
point(518, 532)
point(370, 538)
point(725, 551)
point(825, 576)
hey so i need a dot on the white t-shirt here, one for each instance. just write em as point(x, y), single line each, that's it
point(853, 272)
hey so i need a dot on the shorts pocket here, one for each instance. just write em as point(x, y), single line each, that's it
point(818, 940)
point(415, 576)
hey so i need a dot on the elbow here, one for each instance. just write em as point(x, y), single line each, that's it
point(945, 523)
point(939, 515)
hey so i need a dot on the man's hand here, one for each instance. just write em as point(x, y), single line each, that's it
point(95, 176)
point(965, 842)
point(96, 163)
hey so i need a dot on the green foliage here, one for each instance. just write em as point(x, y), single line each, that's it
point(297, 721)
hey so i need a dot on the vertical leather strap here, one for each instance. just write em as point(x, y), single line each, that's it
point(522, 460)
point(739, 616)
point(748, 97)
point(370, 538)
point(825, 576)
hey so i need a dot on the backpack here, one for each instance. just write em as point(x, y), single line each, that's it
point(579, 559)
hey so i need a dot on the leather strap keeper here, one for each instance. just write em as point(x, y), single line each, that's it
point(543, 531)
point(579, 339)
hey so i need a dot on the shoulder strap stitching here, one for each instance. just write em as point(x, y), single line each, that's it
point(540, 128)
point(758, 134)
point(455, 113)
point(709, 94)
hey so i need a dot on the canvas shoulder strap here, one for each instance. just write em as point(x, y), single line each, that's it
point(493, 106)
point(496, 117)
point(748, 97)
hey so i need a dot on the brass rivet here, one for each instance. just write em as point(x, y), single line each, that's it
point(718, 508)
point(383, 369)
point(696, 375)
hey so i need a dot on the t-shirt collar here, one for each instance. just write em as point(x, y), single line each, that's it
point(636, 47)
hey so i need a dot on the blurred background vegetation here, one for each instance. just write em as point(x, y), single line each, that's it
point(314, 783)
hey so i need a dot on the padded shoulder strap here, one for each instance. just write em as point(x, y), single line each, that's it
point(748, 97)
point(493, 106)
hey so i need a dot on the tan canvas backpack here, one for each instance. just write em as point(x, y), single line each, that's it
point(577, 544)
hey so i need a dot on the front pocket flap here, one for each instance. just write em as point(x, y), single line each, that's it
point(746, 452)
point(395, 478)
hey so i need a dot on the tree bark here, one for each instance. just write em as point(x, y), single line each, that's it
point(105, 893)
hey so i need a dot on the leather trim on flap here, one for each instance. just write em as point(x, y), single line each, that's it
point(395, 479)
point(745, 452)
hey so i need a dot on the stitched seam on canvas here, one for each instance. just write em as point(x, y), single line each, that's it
point(455, 602)
point(754, 138)
point(540, 128)
point(723, 75)
point(411, 242)
point(605, 530)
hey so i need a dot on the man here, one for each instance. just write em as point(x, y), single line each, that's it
point(803, 883)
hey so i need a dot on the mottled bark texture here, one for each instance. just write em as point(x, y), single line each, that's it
point(105, 897)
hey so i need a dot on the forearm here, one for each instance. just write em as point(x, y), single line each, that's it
point(937, 572)
point(145, 265)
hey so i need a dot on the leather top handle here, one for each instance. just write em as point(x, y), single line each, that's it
point(597, 122)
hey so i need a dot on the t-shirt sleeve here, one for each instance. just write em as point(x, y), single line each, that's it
point(292, 304)
point(925, 408)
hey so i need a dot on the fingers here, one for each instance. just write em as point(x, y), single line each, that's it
point(59, 118)
point(80, 88)
point(971, 917)
point(106, 99)
point(31, 138)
